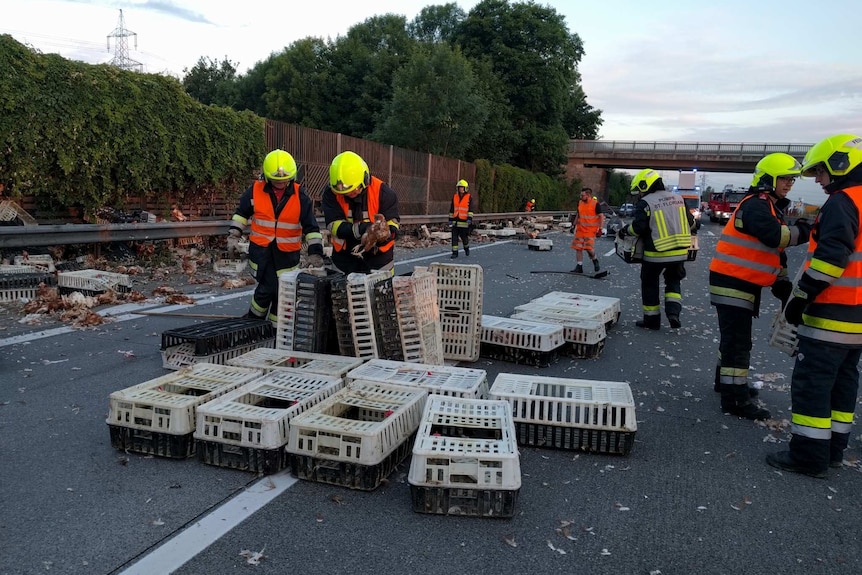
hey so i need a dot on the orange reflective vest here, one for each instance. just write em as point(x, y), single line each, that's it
point(286, 230)
point(372, 196)
point(745, 257)
point(462, 207)
point(588, 220)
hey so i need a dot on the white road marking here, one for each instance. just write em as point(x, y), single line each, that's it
point(185, 545)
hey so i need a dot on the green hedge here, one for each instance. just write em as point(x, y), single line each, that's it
point(74, 133)
point(505, 189)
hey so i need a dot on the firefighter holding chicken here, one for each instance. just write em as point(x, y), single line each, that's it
point(361, 214)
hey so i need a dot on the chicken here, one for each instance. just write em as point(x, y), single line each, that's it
point(377, 233)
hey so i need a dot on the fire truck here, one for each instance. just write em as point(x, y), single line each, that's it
point(722, 204)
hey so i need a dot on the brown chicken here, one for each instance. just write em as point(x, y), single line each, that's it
point(377, 233)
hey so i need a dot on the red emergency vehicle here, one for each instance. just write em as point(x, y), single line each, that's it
point(722, 204)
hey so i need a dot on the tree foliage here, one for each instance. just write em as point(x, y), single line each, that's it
point(211, 82)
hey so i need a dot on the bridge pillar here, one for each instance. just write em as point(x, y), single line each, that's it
point(595, 178)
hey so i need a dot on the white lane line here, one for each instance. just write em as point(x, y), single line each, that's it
point(611, 252)
point(185, 545)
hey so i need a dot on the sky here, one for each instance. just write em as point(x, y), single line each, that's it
point(749, 71)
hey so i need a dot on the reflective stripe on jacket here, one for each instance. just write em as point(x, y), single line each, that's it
point(372, 196)
point(588, 220)
point(743, 256)
point(835, 314)
point(286, 229)
point(669, 229)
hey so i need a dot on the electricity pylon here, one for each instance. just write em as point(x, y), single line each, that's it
point(121, 47)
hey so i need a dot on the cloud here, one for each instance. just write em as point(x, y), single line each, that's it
point(171, 9)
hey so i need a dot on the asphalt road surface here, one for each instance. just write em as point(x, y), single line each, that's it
point(693, 496)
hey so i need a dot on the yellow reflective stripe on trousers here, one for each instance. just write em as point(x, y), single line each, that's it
point(813, 427)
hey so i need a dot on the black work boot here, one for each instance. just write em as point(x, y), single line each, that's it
point(674, 321)
point(453, 256)
point(466, 250)
point(736, 401)
point(784, 461)
point(579, 269)
point(596, 264)
point(650, 322)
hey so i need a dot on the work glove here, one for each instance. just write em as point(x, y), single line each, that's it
point(360, 228)
point(314, 261)
point(796, 307)
point(451, 224)
point(782, 289)
point(804, 231)
point(600, 232)
point(233, 236)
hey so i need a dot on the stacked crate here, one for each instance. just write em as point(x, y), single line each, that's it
point(465, 459)
point(540, 245)
point(520, 340)
point(459, 299)
point(19, 282)
point(436, 379)
point(585, 338)
point(305, 311)
point(419, 317)
point(93, 282)
point(358, 297)
point(386, 322)
point(158, 416)
point(247, 429)
point(572, 414)
point(341, 316)
point(607, 309)
point(268, 359)
point(215, 341)
point(355, 437)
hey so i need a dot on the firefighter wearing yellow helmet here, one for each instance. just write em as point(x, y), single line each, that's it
point(279, 215)
point(461, 217)
point(352, 201)
point(664, 225)
point(750, 256)
point(827, 307)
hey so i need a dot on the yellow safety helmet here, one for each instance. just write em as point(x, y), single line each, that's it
point(348, 172)
point(462, 184)
point(644, 180)
point(774, 166)
point(839, 154)
point(279, 166)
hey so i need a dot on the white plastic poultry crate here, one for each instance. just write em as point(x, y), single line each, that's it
point(215, 341)
point(459, 299)
point(419, 317)
point(247, 428)
point(573, 414)
point(609, 306)
point(540, 245)
point(230, 264)
point(465, 459)
point(438, 379)
point(305, 310)
point(355, 437)
point(268, 359)
point(585, 338)
point(521, 341)
point(360, 291)
point(93, 282)
point(783, 335)
point(158, 416)
point(42, 261)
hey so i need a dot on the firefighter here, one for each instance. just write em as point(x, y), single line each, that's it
point(531, 205)
point(589, 221)
point(461, 218)
point(351, 202)
point(280, 214)
point(664, 224)
point(826, 304)
point(750, 256)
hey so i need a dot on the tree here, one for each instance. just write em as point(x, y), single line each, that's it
point(211, 82)
point(619, 188)
point(295, 83)
point(536, 59)
point(436, 24)
point(436, 106)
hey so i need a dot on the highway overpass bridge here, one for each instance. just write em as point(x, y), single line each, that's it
point(589, 160)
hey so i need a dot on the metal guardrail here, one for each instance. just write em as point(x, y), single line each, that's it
point(67, 234)
point(738, 149)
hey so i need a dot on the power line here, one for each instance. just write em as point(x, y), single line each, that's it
point(121, 47)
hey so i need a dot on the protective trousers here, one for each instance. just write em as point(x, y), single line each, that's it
point(734, 352)
point(823, 397)
point(463, 234)
point(651, 292)
point(266, 263)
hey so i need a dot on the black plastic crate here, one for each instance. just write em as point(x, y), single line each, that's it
point(242, 458)
point(518, 355)
point(27, 280)
point(347, 474)
point(313, 312)
point(574, 438)
point(460, 501)
point(386, 321)
point(341, 316)
point(152, 442)
point(220, 334)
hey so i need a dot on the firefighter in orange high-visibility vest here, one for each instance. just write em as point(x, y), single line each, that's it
point(461, 217)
